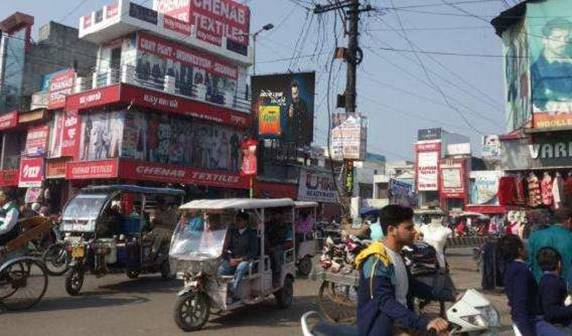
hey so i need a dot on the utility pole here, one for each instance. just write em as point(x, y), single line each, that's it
point(353, 56)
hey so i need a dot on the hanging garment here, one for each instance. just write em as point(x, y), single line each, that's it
point(534, 191)
point(507, 190)
point(558, 191)
point(568, 186)
point(546, 190)
point(520, 191)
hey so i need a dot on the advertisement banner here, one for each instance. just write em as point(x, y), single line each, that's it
point(453, 179)
point(70, 134)
point(228, 18)
point(9, 177)
point(491, 150)
point(56, 168)
point(137, 170)
point(427, 166)
point(37, 140)
point(93, 98)
point(101, 135)
point(401, 193)
point(56, 134)
point(484, 187)
point(171, 139)
point(316, 186)
point(8, 120)
point(349, 137)
point(249, 159)
point(549, 29)
point(292, 95)
point(61, 85)
point(517, 76)
point(31, 172)
point(552, 151)
point(92, 170)
point(429, 134)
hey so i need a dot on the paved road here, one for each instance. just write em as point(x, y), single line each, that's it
point(115, 305)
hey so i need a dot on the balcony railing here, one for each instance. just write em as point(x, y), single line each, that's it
point(233, 99)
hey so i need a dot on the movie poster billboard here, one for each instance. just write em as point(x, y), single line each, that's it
point(284, 107)
point(549, 31)
point(197, 74)
point(101, 135)
point(517, 76)
point(174, 140)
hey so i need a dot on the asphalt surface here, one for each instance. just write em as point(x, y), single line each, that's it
point(116, 305)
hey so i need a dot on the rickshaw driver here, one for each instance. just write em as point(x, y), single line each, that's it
point(9, 228)
point(163, 225)
point(243, 247)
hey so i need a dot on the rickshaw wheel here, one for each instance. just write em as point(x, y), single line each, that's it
point(285, 296)
point(23, 283)
point(192, 311)
point(56, 259)
point(74, 281)
point(305, 266)
point(132, 274)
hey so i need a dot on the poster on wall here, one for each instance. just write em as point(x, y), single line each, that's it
point(70, 134)
point(349, 136)
point(315, 186)
point(401, 193)
point(453, 179)
point(484, 187)
point(173, 140)
point(284, 107)
point(101, 135)
point(517, 76)
point(31, 172)
point(56, 135)
point(491, 149)
point(549, 32)
point(37, 140)
point(197, 74)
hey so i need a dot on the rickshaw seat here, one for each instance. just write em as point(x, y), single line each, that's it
point(34, 228)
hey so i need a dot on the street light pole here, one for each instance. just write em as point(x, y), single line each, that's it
point(264, 28)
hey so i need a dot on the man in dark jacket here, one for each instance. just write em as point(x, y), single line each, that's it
point(385, 289)
point(243, 247)
point(552, 288)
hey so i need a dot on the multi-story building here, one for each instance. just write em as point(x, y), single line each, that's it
point(168, 100)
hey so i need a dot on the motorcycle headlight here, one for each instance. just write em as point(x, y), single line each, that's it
point(476, 320)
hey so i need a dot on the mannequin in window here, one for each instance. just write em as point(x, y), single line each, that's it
point(435, 234)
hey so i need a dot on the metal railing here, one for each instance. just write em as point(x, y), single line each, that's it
point(233, 99)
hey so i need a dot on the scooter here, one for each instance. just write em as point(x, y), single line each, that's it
point(472, 315)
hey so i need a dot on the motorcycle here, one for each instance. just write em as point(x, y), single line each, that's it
point(473, 314)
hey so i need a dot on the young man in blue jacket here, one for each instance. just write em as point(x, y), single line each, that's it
point(385, 289)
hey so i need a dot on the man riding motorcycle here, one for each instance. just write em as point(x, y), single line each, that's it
point(386, 291)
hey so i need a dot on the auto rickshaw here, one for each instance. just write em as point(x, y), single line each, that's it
point(307, 246)
point(107, 230)
point(198, 249)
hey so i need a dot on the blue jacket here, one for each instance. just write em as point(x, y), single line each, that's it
point(378, 308)
point(553, 293)
point(557, 237)
point(522, 293)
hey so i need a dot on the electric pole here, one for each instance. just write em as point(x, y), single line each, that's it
point(353, 56)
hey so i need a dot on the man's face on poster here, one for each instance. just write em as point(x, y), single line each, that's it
point(556, 42)
point(295, 93)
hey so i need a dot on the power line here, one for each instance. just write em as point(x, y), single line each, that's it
point(81, 3)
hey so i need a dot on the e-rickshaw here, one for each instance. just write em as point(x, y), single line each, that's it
point(107, 230)
point(306, 244)
point(198, 249)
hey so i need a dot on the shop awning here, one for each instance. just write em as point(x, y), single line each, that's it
point(489, 209)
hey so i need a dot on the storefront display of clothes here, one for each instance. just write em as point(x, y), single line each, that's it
point(547, 189)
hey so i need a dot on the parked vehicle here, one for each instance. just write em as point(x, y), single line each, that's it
point(198, 249)
point(104, 240)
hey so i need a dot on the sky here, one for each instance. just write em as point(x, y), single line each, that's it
point(453, 80)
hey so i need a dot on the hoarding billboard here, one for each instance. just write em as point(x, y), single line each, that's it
point(316, 186)
point(427, 166)
point(60, 85)
point(284, 107)
point(453, 174)
point(349, 137)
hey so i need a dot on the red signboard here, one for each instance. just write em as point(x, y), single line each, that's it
point(174, 104)
point(139, 170)
point(31, 172)
point(91, 169)
point(173, 51)
point(249, 159)
point(8, 120)
point(112, 10)
point(37, 140)
point(87, 21)
point(176, 25)
point(93, 98)
point(453, 178)
point(61, 85)
point(275, 190)
point(226, 18)
point(56, 168)
point(70, 134)
point(427, 166)
point(9, 178)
